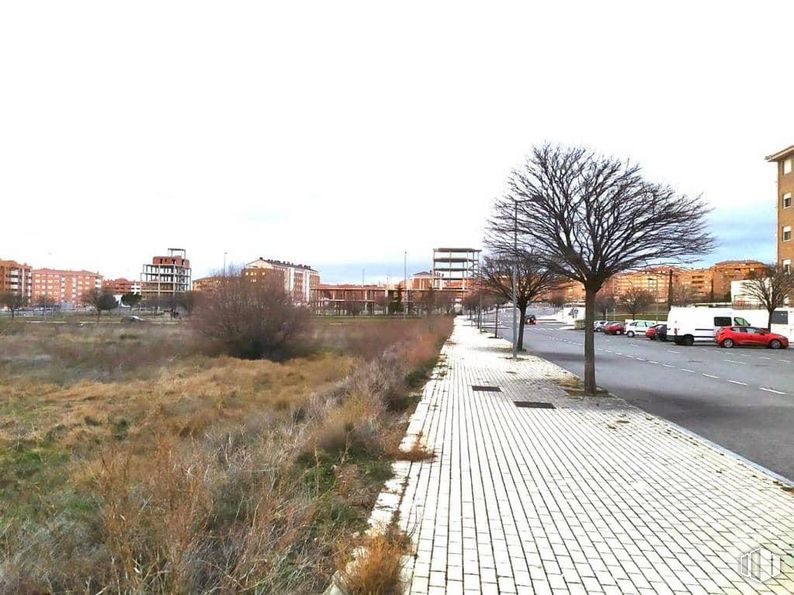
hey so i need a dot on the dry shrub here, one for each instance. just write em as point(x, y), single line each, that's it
point(377, 565)
point(417, 452)
point(251, 319)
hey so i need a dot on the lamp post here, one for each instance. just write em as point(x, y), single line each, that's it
point(515, 278)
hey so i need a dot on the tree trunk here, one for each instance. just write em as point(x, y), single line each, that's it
point(522, 312)
point(769, 320)
point(589, 342)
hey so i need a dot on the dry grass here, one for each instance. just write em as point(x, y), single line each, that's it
point(377, 565)
point(417, 451)
point(132, 462)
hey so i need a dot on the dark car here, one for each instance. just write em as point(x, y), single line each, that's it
point(531, 319)
point(657, 331)
point(615, 328)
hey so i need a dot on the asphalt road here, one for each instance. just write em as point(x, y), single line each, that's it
point(740, 398)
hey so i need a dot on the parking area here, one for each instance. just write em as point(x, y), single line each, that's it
point(742, 398)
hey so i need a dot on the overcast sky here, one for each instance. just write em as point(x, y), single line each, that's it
point(341, 134)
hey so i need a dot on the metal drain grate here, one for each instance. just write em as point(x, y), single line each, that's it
point(485, 389)
point(534, 404)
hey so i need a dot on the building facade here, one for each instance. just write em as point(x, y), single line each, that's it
point(784, 161)
point(63, 287)
point(299, 279)
point(16, 278)
point(166, 276)
point(121, 286)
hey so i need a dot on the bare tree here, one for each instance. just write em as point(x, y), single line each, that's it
point(683, 295)
point(188, 301)
point(13, 301)
point(770, 288)
point(533, 280)
point(556, 299)
point(588, 217)
point(250, 320)
point(382, 301)
point(635, 299)
point(604, 302)
point(99, 300)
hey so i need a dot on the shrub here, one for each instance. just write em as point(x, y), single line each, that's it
point(251, 319)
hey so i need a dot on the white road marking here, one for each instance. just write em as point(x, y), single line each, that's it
point(650, 361)
point(672, 351)
point(687, 370)
point(640, 359)
point(737, 382)
point(735, 362)
point(762, 357)
point(785, 361)
point(709, 375)
point(668, 366)
point(772, 390)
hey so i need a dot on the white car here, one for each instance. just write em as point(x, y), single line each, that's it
point(638, 327)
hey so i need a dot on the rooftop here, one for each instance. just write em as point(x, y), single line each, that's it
point(787, 152)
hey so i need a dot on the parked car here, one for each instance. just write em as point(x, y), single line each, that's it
point(636, 327)
point(657, 331)
point(750, 335)
point(614, 328)
point(598, 325)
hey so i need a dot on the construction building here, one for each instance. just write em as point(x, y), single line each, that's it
point(16, 278)
point(455, 268)
point(166, 276)
point(64, 288)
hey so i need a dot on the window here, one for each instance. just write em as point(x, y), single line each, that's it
point(787, 200)
point(722, 321)
point(787, 233)
point(780, 317)
point(787, 266)
point(787, 166)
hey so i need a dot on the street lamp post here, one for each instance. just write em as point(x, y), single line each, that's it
point(515, 278)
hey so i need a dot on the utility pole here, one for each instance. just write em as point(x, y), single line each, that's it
point(405, 283)
point(515, 279)
point(224, 263)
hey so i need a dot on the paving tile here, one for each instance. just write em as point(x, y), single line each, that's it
point(592, 496)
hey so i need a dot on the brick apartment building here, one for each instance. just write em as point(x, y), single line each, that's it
point(299, 279)
point(64, 287)
point(166, 276)
point(121, 286)
point(349, 298)
point(784, 161)
point(16, 278)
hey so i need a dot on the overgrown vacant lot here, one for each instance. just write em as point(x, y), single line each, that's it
point(131, 461)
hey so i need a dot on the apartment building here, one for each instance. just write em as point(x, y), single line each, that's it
point(207, 283)
point(16, 278)
point(299, 279)
point(121, 286)
point(64, 287)
point(166, 276)
point(784, 161)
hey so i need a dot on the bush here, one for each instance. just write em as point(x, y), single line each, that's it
point(251, 319)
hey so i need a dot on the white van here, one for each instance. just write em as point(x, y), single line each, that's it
point(698, 324)
point(638, 327)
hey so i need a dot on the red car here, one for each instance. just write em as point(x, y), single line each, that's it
point(657, 331)
point(728, 336)
point(615, 328)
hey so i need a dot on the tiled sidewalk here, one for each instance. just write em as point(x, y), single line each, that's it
point(593, 496)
